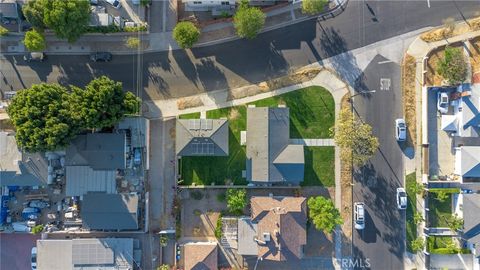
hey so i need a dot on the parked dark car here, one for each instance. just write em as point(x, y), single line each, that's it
point(34, 56)
point(101, 56)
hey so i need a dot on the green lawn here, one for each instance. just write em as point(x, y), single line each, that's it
point(444, 245)
point(195, 115)
point(319, 166)
point(439, 211)
point(311, 116)
point(411, 208)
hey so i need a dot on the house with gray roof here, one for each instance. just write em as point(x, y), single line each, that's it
point(110, 212)
point(270, 156)
point(467, 162)
point(471, 222)
point(87, 253)
point(201, 137)
point(18, 168)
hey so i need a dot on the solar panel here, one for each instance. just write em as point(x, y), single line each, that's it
point(210, 148)
point(91, 252)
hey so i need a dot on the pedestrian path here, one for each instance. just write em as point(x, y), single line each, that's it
point(313, 142)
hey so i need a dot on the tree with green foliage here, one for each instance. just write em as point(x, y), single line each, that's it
point(33, 11)
point(163, 240)
point(186, 34)
point(236, 200)
point(37, 229)
point(355, 137)
point(323, 214)
point(3, 31)
point(313, 6)
point(67, 18)
point(415, 187)
point(441, 196)
point(132, 42)
point(453, 66)
point(34, 41)
point(248, 21)
point(418, 244)
point(417, 218)
point(454, 222)
point(164, 267)
point(103, 103)
point(42, 117)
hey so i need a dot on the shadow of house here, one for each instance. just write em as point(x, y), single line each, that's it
point(270, 156)
point(110, 212)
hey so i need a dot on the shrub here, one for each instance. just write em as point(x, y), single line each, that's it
point(163, 240)
point(164, 267)
point(313, 6)
point(3, 31)
point(186, 34)
point(236, 200)
point(102, 29)
point(37, 229)
point(418, 244)
point(138, 28)
point(34, 41)
point(132, 42)
point(453, 66)
point(218, 227)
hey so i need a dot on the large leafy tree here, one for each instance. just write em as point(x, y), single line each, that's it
point(236, 200)
point(67, 18)
point(42, 118)
point(248, 21)
point(33, 11)
point(103, 103)
point(34, 41)
point(323, 214)
point(356, 137)
point(186, 34)
point(453, 66)
point(313, 6)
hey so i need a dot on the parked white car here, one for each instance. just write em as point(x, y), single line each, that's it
point(400, 130)
point(359, 215)
point(34, 258)
point(114, 3)
point(442, 102)
point(401, 199)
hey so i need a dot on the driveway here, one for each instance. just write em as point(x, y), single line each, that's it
point(15, 250)
point(382, 242)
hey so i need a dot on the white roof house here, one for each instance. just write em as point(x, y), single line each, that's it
point(468, 113)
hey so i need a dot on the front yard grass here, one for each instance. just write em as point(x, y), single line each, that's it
point(312, 114)
point(439, 211)
point(411, 209)
point(319, 166)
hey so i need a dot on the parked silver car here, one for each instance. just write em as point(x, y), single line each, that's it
point(442, 102)
point(400, 130)
point(359, 215)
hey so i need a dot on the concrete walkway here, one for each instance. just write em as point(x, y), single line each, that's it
point(313, 142)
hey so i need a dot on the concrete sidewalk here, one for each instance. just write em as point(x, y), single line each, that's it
point(163, 41)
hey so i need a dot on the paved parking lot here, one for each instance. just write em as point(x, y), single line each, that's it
point(15, 250)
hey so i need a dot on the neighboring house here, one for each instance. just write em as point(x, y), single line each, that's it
point(215, 6)
point(468, 111)
point(92, 162)
point(200, 256)
point(87, 253)
point(101, 211)
point(201, 137)
point(471, 224)
point(276, 229)
point(270, 156)
point(137, 131)
point(18, 168)
point(467, 162)
point(9, 9)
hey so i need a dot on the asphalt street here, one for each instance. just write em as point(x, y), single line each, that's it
point(381, 245)
point(241, 62)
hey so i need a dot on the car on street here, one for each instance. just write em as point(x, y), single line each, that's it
point(359, 215)
point(400, 130)
point(34, 258)
point(114, 3)
point(101, 57)
point(401, 198)
point(442, 102)
point(34, 56)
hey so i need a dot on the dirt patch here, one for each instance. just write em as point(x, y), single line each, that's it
point(6, 124)
point(246, 91)
point(346, 210)
point(450, 29)
point(409, 66)
point(234, 114)
point(474, 53)
point(299, 76)
point(189, 102)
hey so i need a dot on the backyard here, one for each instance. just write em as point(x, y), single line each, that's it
point(439, 210)
point(312, 114)
point(444, 245)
